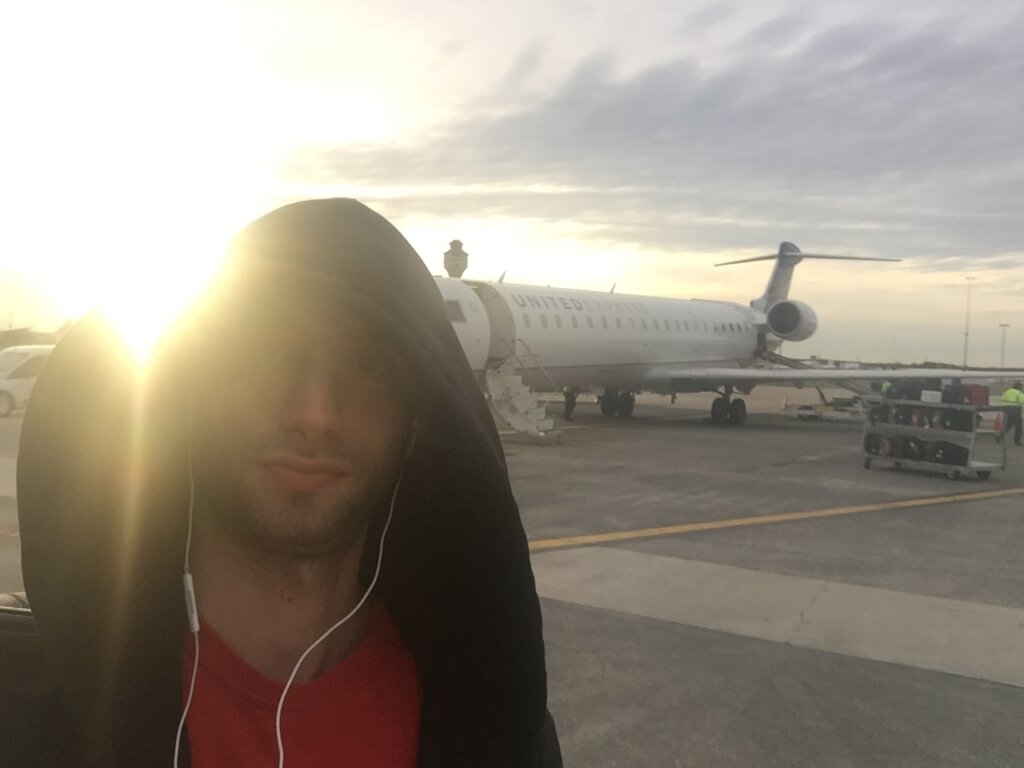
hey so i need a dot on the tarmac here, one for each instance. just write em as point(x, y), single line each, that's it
point(752, 596)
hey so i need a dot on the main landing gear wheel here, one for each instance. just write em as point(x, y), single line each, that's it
point(616, 403)
point(737, 412)
point(625, 403)
point(609, 402)
point(719, 410)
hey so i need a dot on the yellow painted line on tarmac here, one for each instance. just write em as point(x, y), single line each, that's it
point(741, 522)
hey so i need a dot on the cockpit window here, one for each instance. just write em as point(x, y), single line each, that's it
point(455, 313)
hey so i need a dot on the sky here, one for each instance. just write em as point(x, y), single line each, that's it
point(566, 143)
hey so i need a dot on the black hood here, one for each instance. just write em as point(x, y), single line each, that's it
point(103, 499)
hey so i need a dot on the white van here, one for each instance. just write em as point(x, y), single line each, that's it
point(19, 367)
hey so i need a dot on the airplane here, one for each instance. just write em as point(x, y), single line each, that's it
point(622, 344)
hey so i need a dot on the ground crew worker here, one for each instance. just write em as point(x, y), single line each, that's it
point(1014, 396)
point(570, 394)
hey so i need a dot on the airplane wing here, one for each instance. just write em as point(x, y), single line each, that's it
point(813, 376)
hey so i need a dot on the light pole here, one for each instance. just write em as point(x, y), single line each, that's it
point(1002, 349)
point(967, 320)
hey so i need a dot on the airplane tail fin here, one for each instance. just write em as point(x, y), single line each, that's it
point(782, 275)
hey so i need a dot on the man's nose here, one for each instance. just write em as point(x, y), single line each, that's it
point(314, 402)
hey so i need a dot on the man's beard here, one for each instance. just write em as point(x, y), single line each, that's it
point(286, 523)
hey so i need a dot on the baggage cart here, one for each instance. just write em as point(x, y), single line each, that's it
point(957, 440)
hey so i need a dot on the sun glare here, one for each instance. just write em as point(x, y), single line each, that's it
point(139, 262)
point(142, 311)
point(136, 155)
point(140, 286)
point(127, 182)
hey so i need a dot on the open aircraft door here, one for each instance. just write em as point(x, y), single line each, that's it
point(469, 319)
point(502, 323)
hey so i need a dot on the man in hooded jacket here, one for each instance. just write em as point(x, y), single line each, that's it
point(311, 447)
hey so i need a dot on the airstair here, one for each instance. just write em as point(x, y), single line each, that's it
point(515, 403)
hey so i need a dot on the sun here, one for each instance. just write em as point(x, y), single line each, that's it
point(140, 265)
point(137, 238)
point(151, 298)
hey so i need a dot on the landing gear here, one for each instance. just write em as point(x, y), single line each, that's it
point(609, 402)
point(738, 412)
point(725, 410)
point(720, 410)
point(616, 403)
point(627, 402)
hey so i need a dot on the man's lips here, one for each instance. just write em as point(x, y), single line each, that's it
point(299, 474)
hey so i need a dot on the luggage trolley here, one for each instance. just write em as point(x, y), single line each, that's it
point(953, 439)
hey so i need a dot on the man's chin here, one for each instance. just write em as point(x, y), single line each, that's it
point(302, 542)
point(302, 525)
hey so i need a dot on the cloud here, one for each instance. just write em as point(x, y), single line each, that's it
point(883, 138)
point(708, 16)
point(775, 34)
point(525, 66)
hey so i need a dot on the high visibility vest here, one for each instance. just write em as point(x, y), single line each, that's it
point(1014, 396)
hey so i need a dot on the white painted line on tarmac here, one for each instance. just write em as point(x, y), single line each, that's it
point(563, 427)
point(974, 640)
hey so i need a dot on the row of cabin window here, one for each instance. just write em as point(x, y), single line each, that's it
point(683, 327)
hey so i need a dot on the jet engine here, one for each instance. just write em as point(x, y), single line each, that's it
point(792, 320)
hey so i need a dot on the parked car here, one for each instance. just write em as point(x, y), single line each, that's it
point(19, 367)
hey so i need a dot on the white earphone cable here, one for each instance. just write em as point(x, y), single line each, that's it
point(193, 611)
point(190, 598)
point(349, 615)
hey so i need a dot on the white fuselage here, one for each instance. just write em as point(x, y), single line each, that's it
point(571, 338)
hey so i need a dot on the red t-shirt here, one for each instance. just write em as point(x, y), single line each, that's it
point(365, 712)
